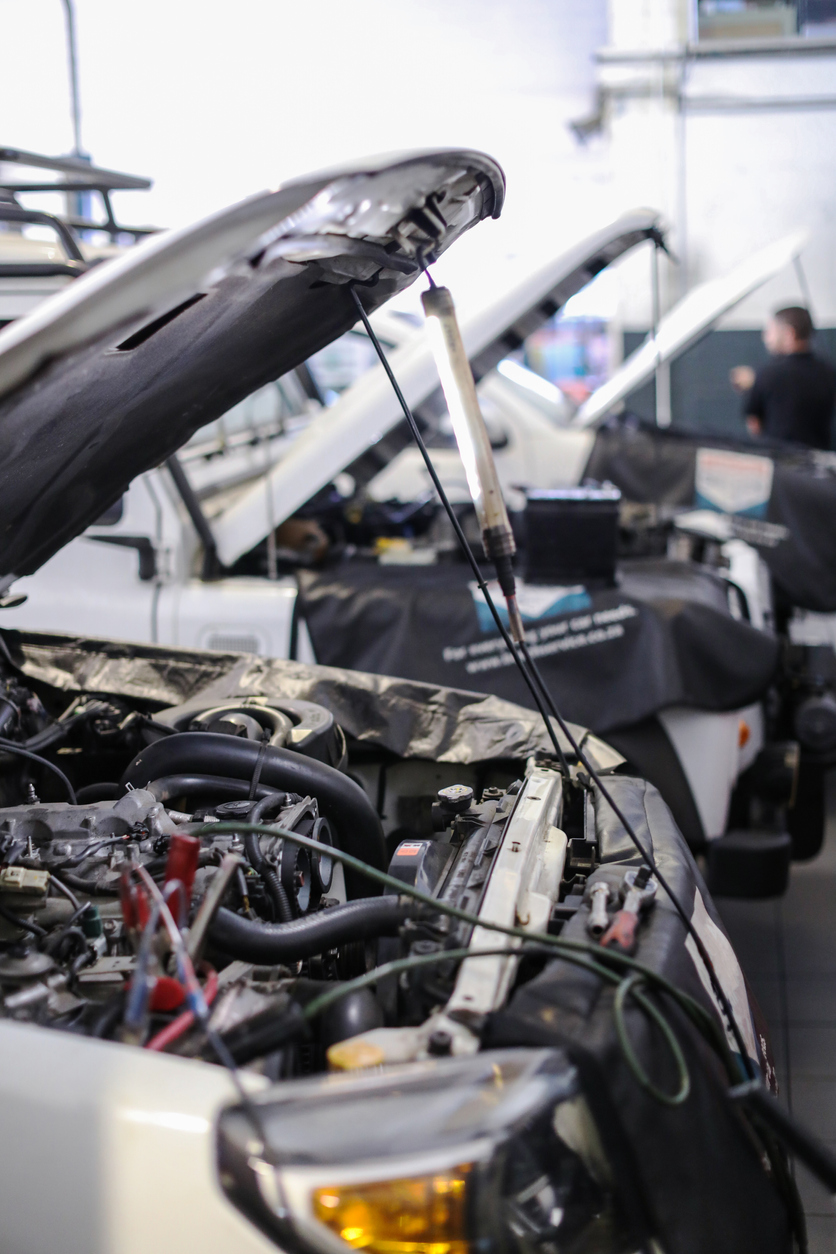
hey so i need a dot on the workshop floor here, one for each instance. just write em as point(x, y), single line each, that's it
point(788, 952)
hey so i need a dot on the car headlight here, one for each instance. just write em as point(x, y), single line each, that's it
point(449, 1156)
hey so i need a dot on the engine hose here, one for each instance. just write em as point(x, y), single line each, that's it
point(188, 784)
point(170, 786)
point(98, 792)
point(269, 873)
point(340, 800)
point(269, 944)
point(276, 889)
point(89, 887)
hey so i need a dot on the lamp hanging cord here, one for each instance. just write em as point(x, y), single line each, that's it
point(536, 686)
point(460, 536)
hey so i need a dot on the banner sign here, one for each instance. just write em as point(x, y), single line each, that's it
point(664, 636)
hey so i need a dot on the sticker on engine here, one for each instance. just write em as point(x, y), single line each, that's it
point(408, 850)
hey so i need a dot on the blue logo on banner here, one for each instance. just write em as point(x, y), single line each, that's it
point(733, 483)
point(534, 603)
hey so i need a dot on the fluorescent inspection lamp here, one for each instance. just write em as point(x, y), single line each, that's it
point(473, 441)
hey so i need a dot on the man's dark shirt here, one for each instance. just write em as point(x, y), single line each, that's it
point(793, 396)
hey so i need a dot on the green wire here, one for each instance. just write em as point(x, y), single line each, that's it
point(569, 950)
point(578, 953)
point(395, 967)
point(624, 990)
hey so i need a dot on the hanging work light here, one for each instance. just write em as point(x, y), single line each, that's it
point(474, 443)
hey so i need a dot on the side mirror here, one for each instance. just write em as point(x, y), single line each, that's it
point(144, 547)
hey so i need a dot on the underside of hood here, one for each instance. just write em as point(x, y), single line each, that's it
point(369, 409)
point(114, 374)
point(687, 322)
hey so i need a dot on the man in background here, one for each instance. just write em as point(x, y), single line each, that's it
point(791, 397)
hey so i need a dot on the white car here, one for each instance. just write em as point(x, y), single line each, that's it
point(174, 560)
point(557, 1015)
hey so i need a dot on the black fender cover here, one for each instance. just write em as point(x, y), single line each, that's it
point(693, 1176)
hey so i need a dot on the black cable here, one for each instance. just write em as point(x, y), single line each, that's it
point(108, 1016)
point(70, 864)
point(34, 929)
point(534, 681)
point(248, 1105)
point(62, 888)
point(60, 729)
point(282, 908)
point(7, 746)
point(460, 536)
point(89, 887)
point(55, 941)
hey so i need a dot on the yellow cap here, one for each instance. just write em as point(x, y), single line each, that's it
point(354, 1054)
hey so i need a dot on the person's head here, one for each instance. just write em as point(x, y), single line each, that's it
point(788, 331)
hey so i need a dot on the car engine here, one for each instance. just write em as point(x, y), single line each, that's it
point(150, 802)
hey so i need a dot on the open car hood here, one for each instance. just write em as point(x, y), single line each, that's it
point(369, 409)
point(111, 376)
point(687, 322)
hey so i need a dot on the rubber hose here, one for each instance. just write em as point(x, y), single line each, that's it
point(98, 792)
point(170, 786)
point(269, 944)
point(266, 1031)
point(88, 886)
point(278, 896)
point(7, 714)
point(274, 800)
point(106, 1018)
point(188, 785)
point(269, 874)
point(341, 801)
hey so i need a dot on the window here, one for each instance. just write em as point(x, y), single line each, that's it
point(766, 19)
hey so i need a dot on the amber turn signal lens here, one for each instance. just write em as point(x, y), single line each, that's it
point(420, 1215)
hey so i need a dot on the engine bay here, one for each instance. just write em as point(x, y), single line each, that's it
point(130, 810)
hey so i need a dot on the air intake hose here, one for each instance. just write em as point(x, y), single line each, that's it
point(269, 944)
point(340, 800)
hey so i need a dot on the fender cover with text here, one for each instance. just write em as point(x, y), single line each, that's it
point(663, 636)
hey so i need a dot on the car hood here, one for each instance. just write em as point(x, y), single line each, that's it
point(111, 376)
point(369, 409)
point(687, 322)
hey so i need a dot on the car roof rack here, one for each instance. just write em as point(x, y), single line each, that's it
point(79, 176)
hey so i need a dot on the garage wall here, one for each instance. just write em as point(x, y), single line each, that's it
point(735, 142)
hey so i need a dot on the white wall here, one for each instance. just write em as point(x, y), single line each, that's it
point(755, 173)
point(748, 156)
